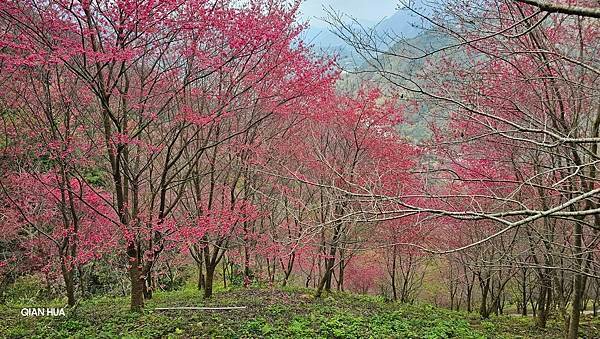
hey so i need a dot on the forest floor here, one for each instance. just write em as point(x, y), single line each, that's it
point(277, 313)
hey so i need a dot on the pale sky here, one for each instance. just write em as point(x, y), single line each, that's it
point(369, 10)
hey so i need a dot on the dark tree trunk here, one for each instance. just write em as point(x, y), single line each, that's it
point(340, 286)
point(201, 282)
point(288, 270)
point(595, 302)
point(485, 288)
point(67, 274)
point(470, 298)
point(224, 266)
point(329, 274)
point(578, 285)
point(576, 307)
point(544, 301)
point(325, 282)
point(137, 281)
point(393, 276)
point(210, 274)
point(325, 278)
point(524, 294)
point(247, 273)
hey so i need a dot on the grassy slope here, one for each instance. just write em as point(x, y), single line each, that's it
point(279, 313)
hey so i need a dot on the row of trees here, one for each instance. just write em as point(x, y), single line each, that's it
point(512, 100)
point(148, 135)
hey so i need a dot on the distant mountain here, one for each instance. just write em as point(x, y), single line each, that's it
point(401, 24)
point(404, 34)
point(415, 126)
point(323, 38)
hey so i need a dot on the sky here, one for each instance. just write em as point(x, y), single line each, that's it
point(365, 10)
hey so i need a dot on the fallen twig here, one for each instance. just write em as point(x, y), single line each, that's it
point(201, 308)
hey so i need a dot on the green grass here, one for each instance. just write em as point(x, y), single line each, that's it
point(274, 313)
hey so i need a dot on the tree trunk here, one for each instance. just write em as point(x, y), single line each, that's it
point(524, 294)
point(201, 282)
point(288, 271)
point(137, 284)
point(393, 276)
point(224, 266)
point(340, 286)
point(578, 285)
point(69, 283)
point(329, 262)
point(576, 307)
point(210, 274)
point(544, 301)
point(470, 298)
point(595, 303)
point(247, 273)
point(485, 287)
point(326, 277)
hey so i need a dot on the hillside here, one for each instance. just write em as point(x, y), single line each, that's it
point(273, 313)
point(442, 183)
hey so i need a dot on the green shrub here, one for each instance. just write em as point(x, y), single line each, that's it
point(27, 290)
point(301, 328)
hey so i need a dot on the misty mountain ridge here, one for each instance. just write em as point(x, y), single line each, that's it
point(402, 24)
